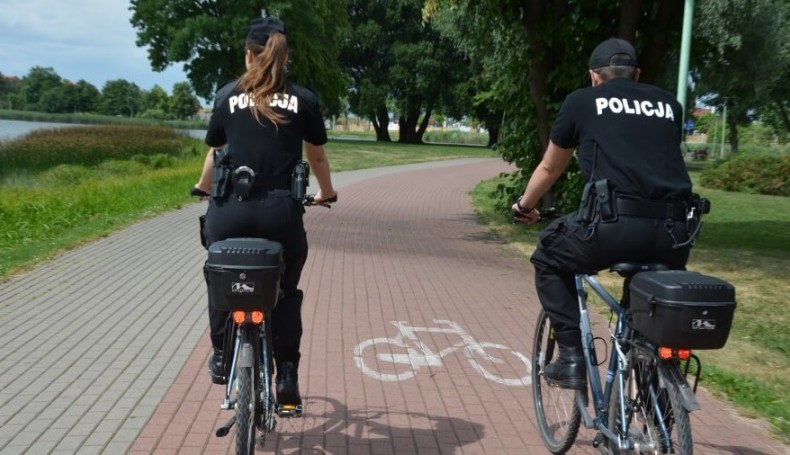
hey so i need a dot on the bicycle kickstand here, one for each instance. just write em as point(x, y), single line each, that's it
point(225, 429)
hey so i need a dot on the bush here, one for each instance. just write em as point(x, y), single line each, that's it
point(750, 173)
point(87, 146)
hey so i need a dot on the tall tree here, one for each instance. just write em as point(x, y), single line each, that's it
point(207, 36)
point(539, 53)
point(183, 104)
point(85, 96)
point(120, 97)
point(393, 54)
point(38, 81)
point(365, 57)
point(739, 65)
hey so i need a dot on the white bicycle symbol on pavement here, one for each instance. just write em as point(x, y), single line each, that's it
point(404, 354)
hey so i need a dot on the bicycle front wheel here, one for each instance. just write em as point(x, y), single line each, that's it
point(555, 408)
point(245, 409)
point(657, 421)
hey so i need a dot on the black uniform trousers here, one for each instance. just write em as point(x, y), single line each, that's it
point(566, 248)
point(272, 215)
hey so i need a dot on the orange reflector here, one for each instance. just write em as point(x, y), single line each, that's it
point(257, 317)
point(239, 317)
point(669, 353)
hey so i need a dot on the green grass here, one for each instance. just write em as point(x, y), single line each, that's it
point(746, 241)
point(46, 212)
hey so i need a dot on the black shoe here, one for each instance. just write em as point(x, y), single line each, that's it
point(215, 367)
point(568, 371)
point(288, 383)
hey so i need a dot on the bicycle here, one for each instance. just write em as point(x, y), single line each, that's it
point(642, 405)
point(245, 276)
point(418, 354)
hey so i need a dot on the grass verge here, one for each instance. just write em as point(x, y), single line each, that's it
point(745, 241)
point(44, 213)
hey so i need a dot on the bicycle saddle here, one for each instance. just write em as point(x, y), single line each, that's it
point(629, 269)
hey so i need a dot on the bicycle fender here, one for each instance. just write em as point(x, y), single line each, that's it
point(671, 376)
point(245, 356)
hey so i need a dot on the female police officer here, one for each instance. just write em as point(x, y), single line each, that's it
point(264, 119)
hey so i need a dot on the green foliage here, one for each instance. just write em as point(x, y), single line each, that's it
point(208, 38)
point(120, 97)
point(86, 146)
point(752, 173)
point(183, 104)
point(97, 119)
point(455, 137)
point(738, 65)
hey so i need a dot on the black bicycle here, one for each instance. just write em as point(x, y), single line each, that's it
point(642, 403)
point(244, 276)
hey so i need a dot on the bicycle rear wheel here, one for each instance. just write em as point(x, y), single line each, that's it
point(555, 408)
point(245, 405)
point(658, 423)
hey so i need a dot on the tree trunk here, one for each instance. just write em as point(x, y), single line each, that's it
point(732, 124)
point(493, 135)
point(538, 68)
point(381, 123)
point(780, 109)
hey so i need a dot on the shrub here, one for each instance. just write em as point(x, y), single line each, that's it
point(87, 146)
point(750, 173)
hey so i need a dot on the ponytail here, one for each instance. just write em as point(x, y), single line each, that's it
point(266, 76)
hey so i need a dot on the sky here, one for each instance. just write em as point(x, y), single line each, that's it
point(80, 39)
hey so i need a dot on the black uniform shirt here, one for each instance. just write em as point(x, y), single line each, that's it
point(637, 129)
point(264, 147)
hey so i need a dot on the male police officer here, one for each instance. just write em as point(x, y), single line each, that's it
point(627, 137)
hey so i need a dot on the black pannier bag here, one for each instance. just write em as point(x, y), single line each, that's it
point(244, 274)
point(680, 309)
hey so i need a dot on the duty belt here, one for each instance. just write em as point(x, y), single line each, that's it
point(663, 210)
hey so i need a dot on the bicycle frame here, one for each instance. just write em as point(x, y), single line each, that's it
point(616, 373)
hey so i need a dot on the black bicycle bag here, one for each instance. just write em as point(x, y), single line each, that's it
point(681, 309)
point(244, 274)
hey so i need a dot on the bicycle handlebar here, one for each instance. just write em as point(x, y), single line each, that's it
point(545, 216)
point(309, 199)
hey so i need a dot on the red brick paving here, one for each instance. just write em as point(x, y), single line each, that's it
point(407, 247)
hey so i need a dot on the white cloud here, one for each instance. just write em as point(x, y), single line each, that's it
point(79, 39)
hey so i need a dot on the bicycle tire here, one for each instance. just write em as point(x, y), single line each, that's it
point(555, 409)
point(651, 404)
point(245, 407)
point(265, 419)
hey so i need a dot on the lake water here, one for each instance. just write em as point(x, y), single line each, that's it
point(12, 129)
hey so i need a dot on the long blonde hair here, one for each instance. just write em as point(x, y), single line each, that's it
point(266, 76)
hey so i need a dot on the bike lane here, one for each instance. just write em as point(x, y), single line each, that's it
point(116, 362)
point(405, 295)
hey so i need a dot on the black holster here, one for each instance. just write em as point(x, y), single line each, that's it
point(300, 180)
point(598, 203)
point(221, 176)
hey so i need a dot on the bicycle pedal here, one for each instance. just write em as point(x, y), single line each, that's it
point(289, 410)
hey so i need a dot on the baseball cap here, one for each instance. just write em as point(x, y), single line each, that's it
point(260, 29)
point(604, 54)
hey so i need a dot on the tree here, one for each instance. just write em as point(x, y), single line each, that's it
point(10, 86)
point(391, 53)
point(538, 55)
point(38, 81)
point(155, 99)
point(365, 57)
point(120, 97)
point(85, 96)
point(208, 37)
point(739, 65)
point(183, 104)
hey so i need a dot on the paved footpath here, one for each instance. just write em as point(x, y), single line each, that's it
point(105, 347)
